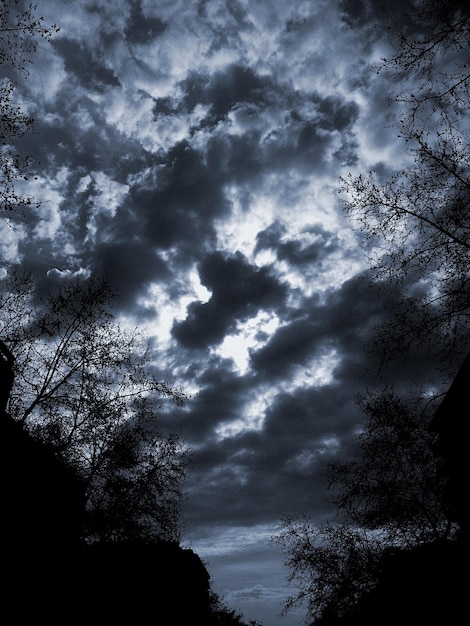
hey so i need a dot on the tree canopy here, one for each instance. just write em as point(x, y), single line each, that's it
point(391, 495)
point(417, 220)
point(85, 386)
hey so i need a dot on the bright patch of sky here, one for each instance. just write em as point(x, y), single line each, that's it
point(250, 335)
point(305, 460)
point(229, 539)
point(11, 235)
point(170, 308)
point(317, 372)
point(252, 415)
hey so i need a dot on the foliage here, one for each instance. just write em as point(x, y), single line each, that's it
point(394, 484)
point(19, 34)
point(433, 70)
point(417, 221)
point(332, 565)
point(84, 385)
point(391, 495)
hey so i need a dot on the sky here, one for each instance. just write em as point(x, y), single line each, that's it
point(190, 152)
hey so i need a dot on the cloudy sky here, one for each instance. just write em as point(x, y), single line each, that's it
point(190, 152)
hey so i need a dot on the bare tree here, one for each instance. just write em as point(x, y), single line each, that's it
point(418, 221)
point(84, 385)
point(20, 31)
point(332, 565)
point(393, 485)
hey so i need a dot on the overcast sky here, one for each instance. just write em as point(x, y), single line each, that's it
point(190, 152)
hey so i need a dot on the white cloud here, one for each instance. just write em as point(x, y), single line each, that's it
point(249, 335)
point(11, 235)
point(252, 414)
point(224, 540)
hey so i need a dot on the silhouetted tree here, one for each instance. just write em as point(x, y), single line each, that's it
point(394, 484)
point(418, 220)
point(136, 488)
point(20, 30)
point(390, 496)
point(331, 564)
point(84, 386)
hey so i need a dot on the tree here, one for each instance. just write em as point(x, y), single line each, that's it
point(418, 221)
point(331, 564)
point(394, 484)
point(84, 386)
point(136, 489)
point(19, 33)
point(390, 496)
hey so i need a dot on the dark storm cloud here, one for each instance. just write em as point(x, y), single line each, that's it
point(128, 267)
point(294, 141)
point(226, 32)
point(308, 414)
point(342, 322)
point(291, 345)
point(244, 158)
point(83, 140)
point(222, 391)
point(142, 28)
point(294, 251)
point(238, 291)
point(337, 114)
point(177, 203)
point(81, 62)
point(245, 472)
point(304, 428)
point(368, 12)
point(222, 91)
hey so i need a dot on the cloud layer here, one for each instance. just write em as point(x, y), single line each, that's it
point(190, 153)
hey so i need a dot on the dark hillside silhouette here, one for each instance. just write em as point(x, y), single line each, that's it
point(423, 585)
point(42, 503)
point(49, 574)
point(134, 582)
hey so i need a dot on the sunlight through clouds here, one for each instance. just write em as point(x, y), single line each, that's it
point(168, 308)
point(250, 335)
